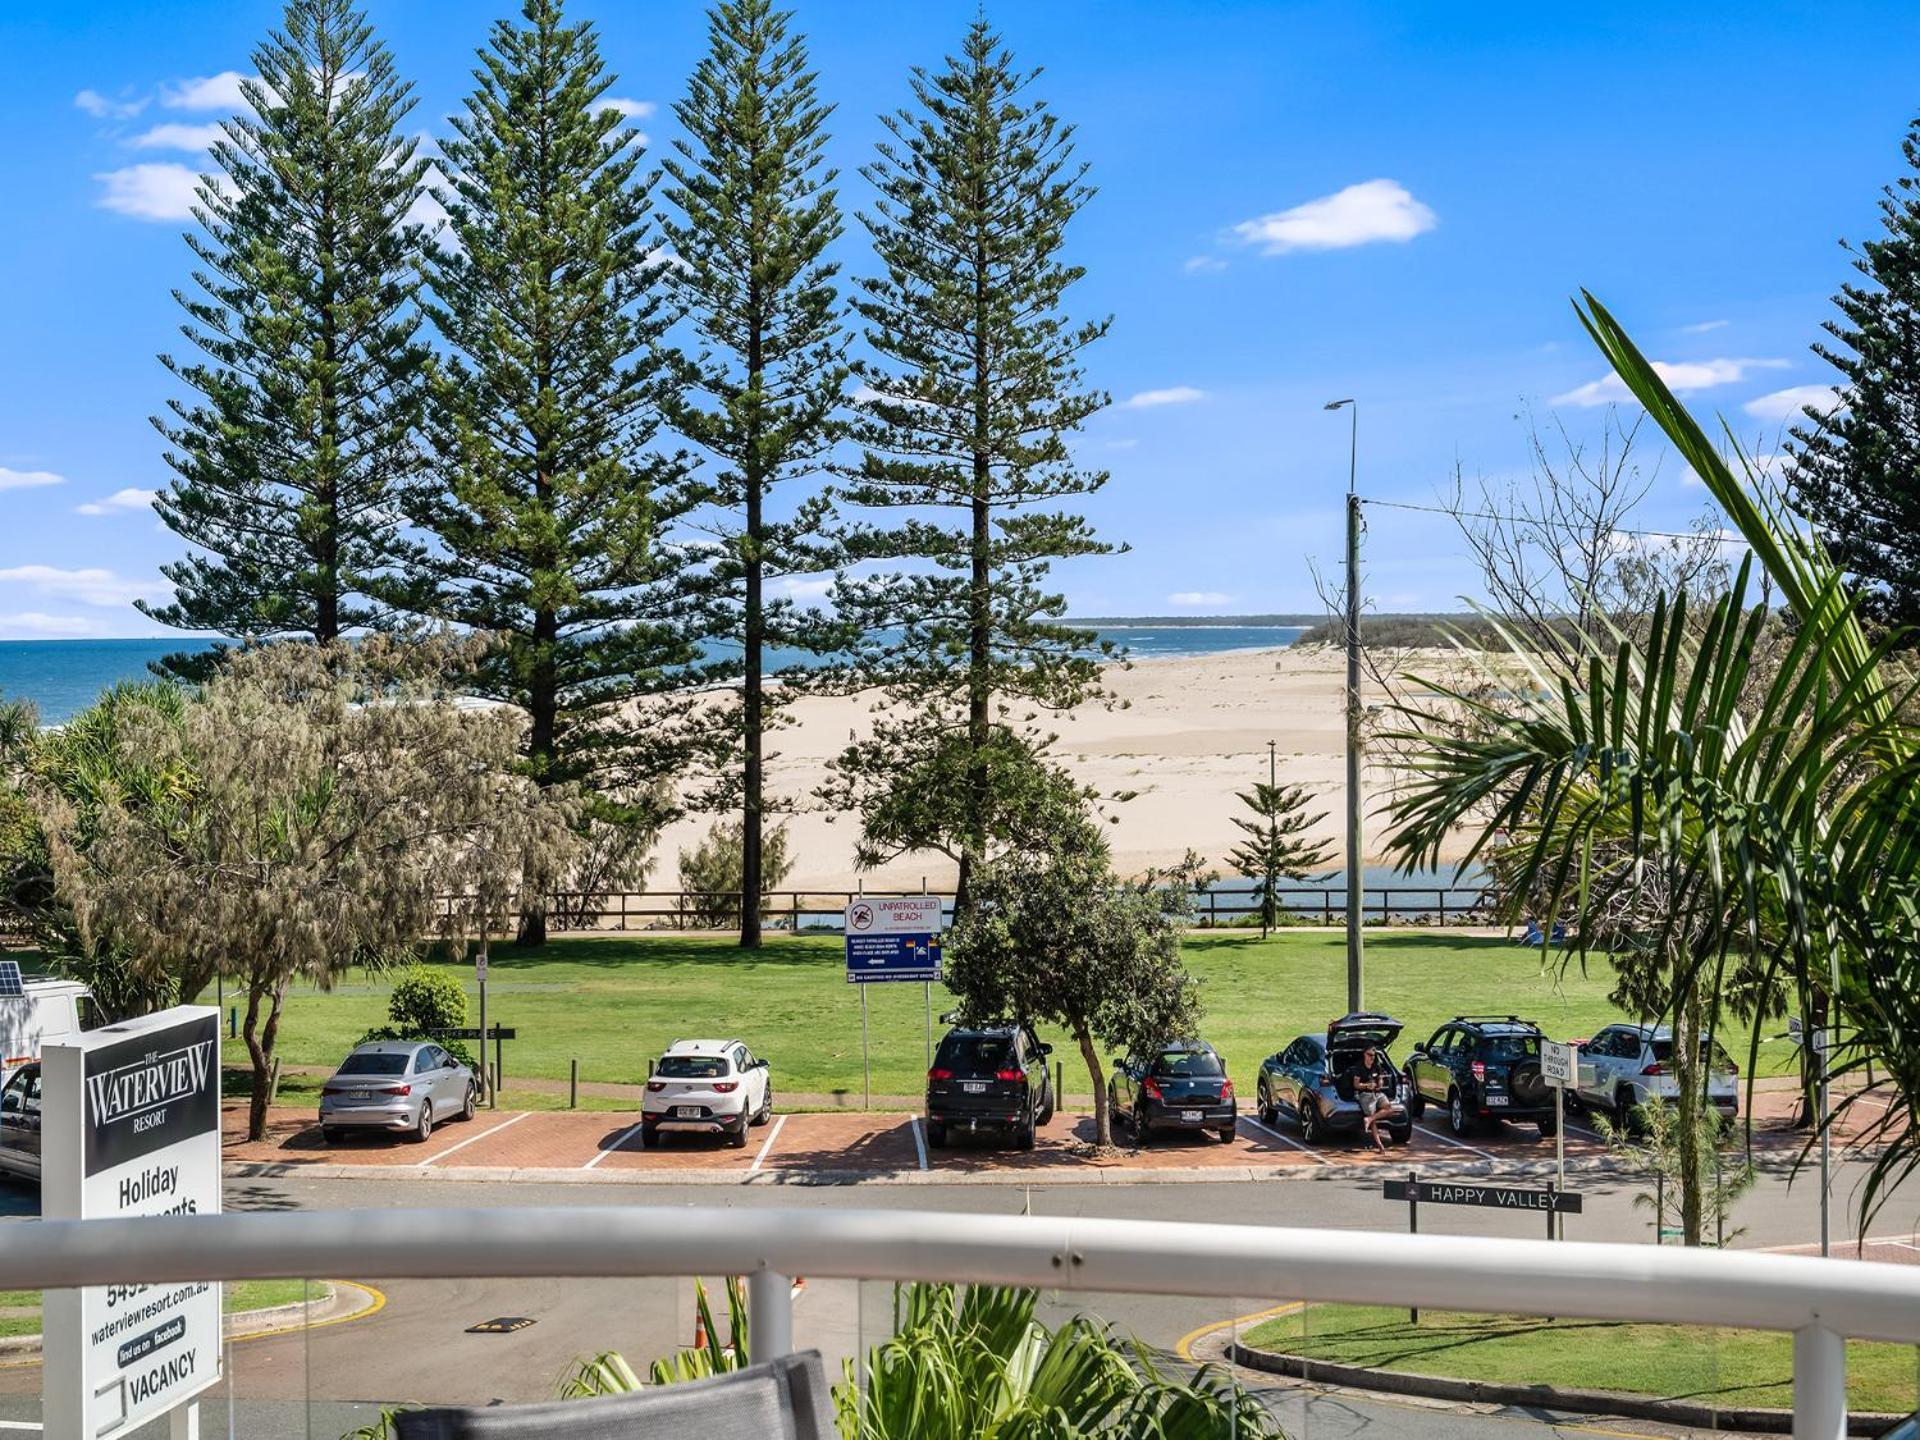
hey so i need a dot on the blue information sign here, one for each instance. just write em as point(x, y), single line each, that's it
point(872, 958)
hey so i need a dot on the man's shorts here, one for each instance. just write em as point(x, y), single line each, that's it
point(1371, 1100)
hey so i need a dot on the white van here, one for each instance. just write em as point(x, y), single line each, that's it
point(43, 1010)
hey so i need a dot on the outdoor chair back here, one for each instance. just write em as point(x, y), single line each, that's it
point(784, 1399)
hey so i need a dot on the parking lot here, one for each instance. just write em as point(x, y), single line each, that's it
point(857, 1145)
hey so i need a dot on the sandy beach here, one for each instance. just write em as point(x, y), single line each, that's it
point(1185, 734)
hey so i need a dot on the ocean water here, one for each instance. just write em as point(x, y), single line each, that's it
point(62, 677)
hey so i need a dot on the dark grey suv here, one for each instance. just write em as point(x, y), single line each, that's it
point(989, 1078)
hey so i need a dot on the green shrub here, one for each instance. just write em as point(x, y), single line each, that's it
point(712, 873)
point(424, 1000)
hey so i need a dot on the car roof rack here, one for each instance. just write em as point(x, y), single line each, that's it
point(1514, 1018)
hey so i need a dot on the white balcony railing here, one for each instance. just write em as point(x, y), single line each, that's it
point(1821, 1303)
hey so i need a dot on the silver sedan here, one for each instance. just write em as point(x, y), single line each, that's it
point(399, 1086)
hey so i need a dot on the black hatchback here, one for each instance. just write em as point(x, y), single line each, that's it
point(992, 1078)
point(1180, 1086)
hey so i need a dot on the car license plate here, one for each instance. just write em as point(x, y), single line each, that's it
point(1496, 1099)
point(974, 1087)
point(687, 1112)
point(359, 1094)
point(1189, 1114)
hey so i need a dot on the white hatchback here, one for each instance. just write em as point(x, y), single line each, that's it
point(712, 1087)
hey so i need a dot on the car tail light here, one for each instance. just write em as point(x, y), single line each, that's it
point(1656, 1068)
point(1226, 1089)
point(1018, 1077)
point(1152, 1089)
point(394, 1090)
point(1479, 1070)
point(726, 1087)
point(939, 1073)
point(656, 1086)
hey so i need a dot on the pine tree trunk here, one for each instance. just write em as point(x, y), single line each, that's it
point(753, 780)
point(1102, 1115)
point(543, 703)
point(979, 603)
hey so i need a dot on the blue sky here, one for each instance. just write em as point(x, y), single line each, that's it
point(1296, 203)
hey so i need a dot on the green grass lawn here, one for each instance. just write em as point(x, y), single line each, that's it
point(1700, 1363)
point(20, 1309)
point(615, 1003)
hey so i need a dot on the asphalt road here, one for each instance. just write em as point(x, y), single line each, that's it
point(321, 1381)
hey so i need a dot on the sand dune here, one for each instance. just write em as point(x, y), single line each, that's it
point(1186, 735)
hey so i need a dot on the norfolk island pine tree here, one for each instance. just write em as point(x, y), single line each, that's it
point(289, 467)
point(963, 428)
point(542, 421)
point(761, 394)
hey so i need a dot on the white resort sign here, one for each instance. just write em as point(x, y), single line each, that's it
point(131, 1126)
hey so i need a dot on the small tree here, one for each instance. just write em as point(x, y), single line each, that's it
point(85, 762)
point(713, 873)
point(423, 1001)
point(326, 795)
point(1650, 1144)
point(1055, 937)
point(1275, 848)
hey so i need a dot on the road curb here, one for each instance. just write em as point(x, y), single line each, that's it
point(1065, 1175)
point(1753, 1419)
point(237, 1326)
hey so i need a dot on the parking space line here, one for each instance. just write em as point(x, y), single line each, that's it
point(919, 1141)
point(618, 1144)
point(779, 1124)
point(1590, 1134)
point(1265, 1129)
point(1461, 1144)
point(473, 1139)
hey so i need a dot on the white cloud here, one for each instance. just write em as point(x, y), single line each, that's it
point(1789, 403)
point(1204, 265)
point(173, 136)
point(1198, 597)
point(1361, 214)
point(1173, 395)
point(632, 109)
point(28, 479)
point(102, 108)
point(1682, 377)
point(207, 92)
point(128, 499)
point(38, 625)
point(89, 586)
point(803, 592)
point(151, 191)
point(1704, 327)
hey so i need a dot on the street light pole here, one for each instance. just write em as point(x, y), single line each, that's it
point(1356, 892)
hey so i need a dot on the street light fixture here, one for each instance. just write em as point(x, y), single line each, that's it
point(1356, 893)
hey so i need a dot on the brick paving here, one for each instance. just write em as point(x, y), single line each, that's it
point(840, 1145)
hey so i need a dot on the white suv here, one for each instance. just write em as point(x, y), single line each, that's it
point(1625, 1066)
point(707, 1086)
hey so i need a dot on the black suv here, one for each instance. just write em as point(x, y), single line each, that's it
point(993, 1078)
point(1484, 1069)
